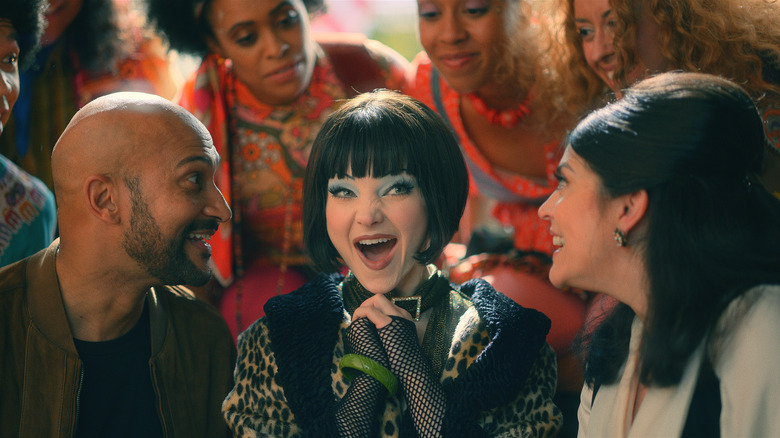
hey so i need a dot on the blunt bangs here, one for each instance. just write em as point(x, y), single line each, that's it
point(374, 143)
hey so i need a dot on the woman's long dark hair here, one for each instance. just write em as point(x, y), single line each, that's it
point(695, 143)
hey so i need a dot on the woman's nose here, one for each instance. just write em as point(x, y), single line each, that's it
point(544, 209)
point(273, 45)
point(452, 30)
point(603, 45)
point(369, 212)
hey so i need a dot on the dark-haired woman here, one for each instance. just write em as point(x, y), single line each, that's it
point(659, 206)
point(89, 48)
point(384, 192)
point(264, 87)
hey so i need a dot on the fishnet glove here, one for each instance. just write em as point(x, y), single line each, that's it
point(423, 392)
point(357, 411)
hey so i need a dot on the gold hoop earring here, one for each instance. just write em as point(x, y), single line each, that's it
point(620, 238)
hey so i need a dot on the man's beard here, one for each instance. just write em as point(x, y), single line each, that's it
point(166, 261)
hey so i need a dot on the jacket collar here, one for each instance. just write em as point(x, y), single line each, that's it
point(47, 310)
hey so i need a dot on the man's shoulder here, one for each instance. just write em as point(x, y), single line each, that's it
point(12, 277)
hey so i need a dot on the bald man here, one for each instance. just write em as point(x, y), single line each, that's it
point(93, 342)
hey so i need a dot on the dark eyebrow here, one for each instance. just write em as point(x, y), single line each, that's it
point(606, 13)
point(194, 158)
point(563, 166)
point(239, 25)
point(279, 6)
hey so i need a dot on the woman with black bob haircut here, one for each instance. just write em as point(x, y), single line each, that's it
point(379, 138)
point(660, 207)
point(392, 349)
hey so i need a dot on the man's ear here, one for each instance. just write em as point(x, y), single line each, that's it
point(102, 198)
point(634, 207)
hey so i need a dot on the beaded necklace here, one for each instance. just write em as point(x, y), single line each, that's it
point(507, 118)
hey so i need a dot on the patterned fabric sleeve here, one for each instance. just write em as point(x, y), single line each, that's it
point(532, 413)
point(527, 412)
point(256, 406)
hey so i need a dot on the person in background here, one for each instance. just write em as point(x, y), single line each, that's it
point(27, 205)
point(492, 69)
point(93, 343)
point(265, 85)
point(659, 206)
point(625, 40)
point(588, 37)
point(384, 192)
point(90, 48)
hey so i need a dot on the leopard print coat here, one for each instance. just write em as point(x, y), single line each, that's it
point(499, 377)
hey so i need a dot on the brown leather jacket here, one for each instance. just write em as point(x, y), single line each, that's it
point(192, 361)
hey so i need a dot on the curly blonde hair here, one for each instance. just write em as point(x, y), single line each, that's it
point(736, 39)
point(533, 60)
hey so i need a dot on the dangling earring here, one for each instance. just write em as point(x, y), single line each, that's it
point(620, 238)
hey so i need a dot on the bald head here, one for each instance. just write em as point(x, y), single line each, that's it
point(117, 135)
point(135, 171)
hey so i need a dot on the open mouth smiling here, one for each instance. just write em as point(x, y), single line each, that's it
point(201, 239)
point(376, 252)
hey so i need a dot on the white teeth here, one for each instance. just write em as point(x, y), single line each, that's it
point(557, 240)
point(610, 74)
point(199, 236)
point(373, 241)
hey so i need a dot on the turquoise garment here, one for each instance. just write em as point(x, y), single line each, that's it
point(28, 214)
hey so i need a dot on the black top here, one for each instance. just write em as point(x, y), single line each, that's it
point(117, 398)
